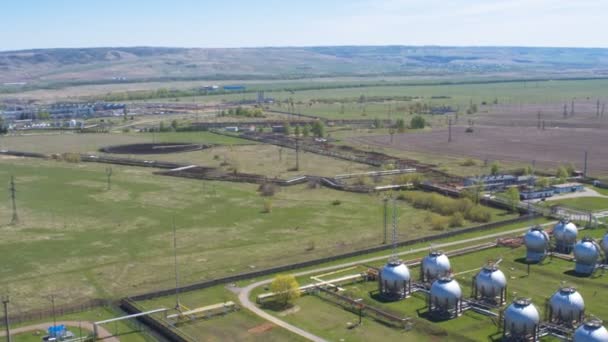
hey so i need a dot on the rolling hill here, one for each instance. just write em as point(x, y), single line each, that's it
point(47, 67)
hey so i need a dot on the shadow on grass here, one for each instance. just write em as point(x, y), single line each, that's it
point(277, 307)
point(379, 297)
point(424, 313)
point(573, 273)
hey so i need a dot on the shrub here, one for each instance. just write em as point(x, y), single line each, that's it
point(267, 189)
point(71, 157)
point(479, 214)
point(336, 202)
point(438, 222)
point(267, 206)
point(468, 162)
point(456, 220)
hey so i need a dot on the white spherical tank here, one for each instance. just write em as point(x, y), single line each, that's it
point(565, 234)
point(591, 331)
point(566, 305)
point(394, 279)
point(445, 296)
point(537, 244)
point(490, 283)
point(435, 265)
point(586, 255)
point(521, 318)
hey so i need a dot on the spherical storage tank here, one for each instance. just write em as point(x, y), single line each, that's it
point(521, 319)
point(490, 284)
point(537, 244)
point(586, 255)
point(435, 265)
point(445, 297)
point(394, 280)
point(565, 234)
point(591, 331)
point(566, 306)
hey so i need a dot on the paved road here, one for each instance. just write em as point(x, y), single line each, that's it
point(247, 303)
point(103, 334)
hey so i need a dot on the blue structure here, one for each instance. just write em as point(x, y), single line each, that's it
point(536, 194)
point(497, 182)
point(234, 87)
point(57, 330)
point(567, 187)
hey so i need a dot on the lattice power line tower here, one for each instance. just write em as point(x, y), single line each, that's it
point(394, 257)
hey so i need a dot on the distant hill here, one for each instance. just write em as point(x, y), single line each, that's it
point(106, 65)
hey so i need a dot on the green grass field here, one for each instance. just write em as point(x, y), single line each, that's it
point(95, 243)
point(582, 203)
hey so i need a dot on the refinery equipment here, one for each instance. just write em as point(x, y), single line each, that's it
point(537, 245)
point(490, 285)
point(445, 298)
point(566, 306)
point(586, 255)
point(565, 234)
point(521, 321)
point(435, 265)
point(591, 331)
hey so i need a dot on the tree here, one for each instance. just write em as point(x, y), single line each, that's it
point(513, 197)
point(3, 128)
point(417, 122)
point(562, 174)
point(286, 289)
point(306, 130)
point(318, 129)
point(174, 124)
point(528, 170)
point(400, 125)
point(297, 131)
point(495, 168)
point(542, 182)
point(286, 128)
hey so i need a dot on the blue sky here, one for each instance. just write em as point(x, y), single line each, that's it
point(239, 23)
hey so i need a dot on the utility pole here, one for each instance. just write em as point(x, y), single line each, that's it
point(52, 298)
point(177, 304)
point(598, 108)
point(565, 110)
point(13, 190)
point(572, 108)
point(450, 130)
point(297, 154)
point(5, 301)
point(585, 167)
point(538, 115)
point(109, 176)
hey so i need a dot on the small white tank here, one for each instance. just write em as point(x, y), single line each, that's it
point(445, 297)
point(490, 284)
point(537, 244)
point(591, 331)
point(435, 265)
point(586, 256)
point(566, 306)
point(521, 319)
point(565, 234)
point(394, 280)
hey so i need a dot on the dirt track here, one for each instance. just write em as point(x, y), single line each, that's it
point(102, 333)
point(548, 147)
